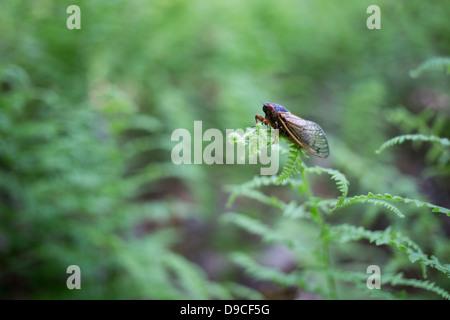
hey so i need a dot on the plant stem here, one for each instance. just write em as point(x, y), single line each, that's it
point(315, 211)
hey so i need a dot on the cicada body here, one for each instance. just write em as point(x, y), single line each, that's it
point(304, 133)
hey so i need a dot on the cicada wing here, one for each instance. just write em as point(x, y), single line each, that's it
point(307, 134)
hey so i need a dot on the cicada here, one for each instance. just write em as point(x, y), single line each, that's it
point(304, 133)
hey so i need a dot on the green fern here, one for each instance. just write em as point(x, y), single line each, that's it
point(258, 228)
point(313, 208)
point(296, 166)
point(424, 122)
point(347, 233)
point(192, 279)
point(252, 225)
point(387, 196)
point(248, 188)
point(291, 210)
point(242, 292)
point(376, 202)
point(294, 211)
point(341, 181)
point(265, 273)
point(292, 166)
point(398, 279)
point(300, 279)
point(413, 137)
point(293, 278)
point(359, 279)
point(433, 64)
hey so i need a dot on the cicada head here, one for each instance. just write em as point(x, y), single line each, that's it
point(272, 107)
point(267, 107)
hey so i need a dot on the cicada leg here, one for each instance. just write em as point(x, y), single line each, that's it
point(261, 118)
point(277, 128)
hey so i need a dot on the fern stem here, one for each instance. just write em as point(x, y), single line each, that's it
point(305, 186)
point(330, 278)
point(316, 215)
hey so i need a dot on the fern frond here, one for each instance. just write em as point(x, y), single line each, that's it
point(433, 64)
point(363, 199)
point(248, 188)
point(292, 166)
point(346, 233)
point(261, 272)
point(265, 273)
point(251, 225)
point(261, 197)
point(359, 279)
point(191, 278)
point(387, 196)
point(258, 228)
point(386, 205)
point(413, 137)
point(270, 274)
point(341, 181)
point(294, 211)
point(242, 292)
point(398, 279)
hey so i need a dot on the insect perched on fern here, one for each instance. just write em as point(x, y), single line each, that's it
point(304, 133)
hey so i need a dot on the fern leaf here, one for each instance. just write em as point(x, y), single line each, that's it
point(258, 228)
point(294, 211)
point(248, 188)
point(341, 181)
point(362, 199)
point(359, 279)
point(292, 166)
point(243, 292)
point(426, 285)
point(346, 233)
point(413, 137)
point(251, 225)
point(387, 196)
point(265, 273)
point(433, 64)
point(191, 278)
point(386, 205)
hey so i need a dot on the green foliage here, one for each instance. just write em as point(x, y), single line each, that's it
point(371, 198)
point(248, 189)
point(341, 181)
point(363, 104)
point(292, 166)
point(264, 273)
point(358, 279)
point(256, 227)
point(413, 137)
point(425, 122)
point(371, 201)
point(433, 64)
point(388, 237)
point(192, 281)
point(86, 118)
point(425, 285)
point(343, 233)
point(66, 202)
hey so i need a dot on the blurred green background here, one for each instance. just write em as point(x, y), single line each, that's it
point(85, 138)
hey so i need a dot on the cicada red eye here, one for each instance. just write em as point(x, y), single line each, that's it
point(267, 107)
